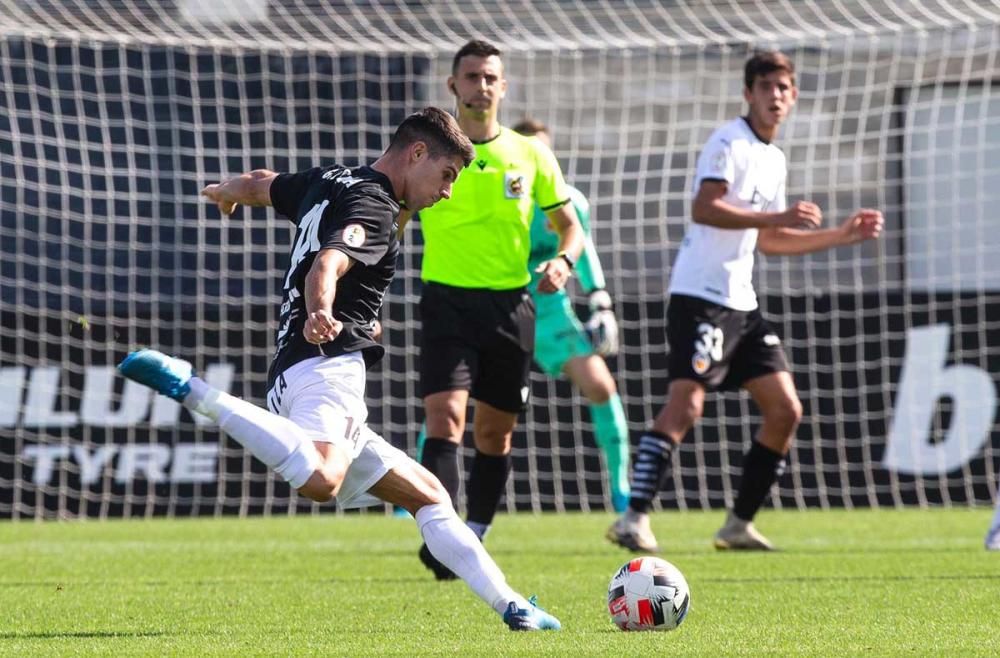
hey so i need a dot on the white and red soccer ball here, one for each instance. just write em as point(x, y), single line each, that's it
point(648, 594)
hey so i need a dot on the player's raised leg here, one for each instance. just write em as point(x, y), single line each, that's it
point(685, 402)
point(276, 441)
point(764, 462)
point(414, 488)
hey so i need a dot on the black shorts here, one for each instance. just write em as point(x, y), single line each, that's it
point(477, 340)
point(719, 347)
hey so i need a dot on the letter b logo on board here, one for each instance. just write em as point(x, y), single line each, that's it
point(924, 380)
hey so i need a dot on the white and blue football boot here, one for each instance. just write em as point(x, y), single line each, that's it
point(531, 618)
point(164, 374)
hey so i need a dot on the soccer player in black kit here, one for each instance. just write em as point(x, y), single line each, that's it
point(342, 261)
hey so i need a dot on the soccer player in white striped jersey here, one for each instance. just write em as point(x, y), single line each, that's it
point(717, 337)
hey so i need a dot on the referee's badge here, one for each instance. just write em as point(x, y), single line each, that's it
point(513, 185)
point(354, 235)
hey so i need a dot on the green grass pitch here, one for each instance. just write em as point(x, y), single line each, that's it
point(847, 583)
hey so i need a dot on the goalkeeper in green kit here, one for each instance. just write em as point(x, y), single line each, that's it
point(565, 346)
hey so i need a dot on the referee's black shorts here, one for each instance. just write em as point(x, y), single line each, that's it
point(477, 340)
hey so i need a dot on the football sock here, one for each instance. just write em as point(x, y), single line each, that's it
point(276, 441)
point(440, 457)
point(485, 487)
point(652, 463)
point(761, 469)
point(611, 436)
point(421, 439)
point(456, 546)
point(996, 518)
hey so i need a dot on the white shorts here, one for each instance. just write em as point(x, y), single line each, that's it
point(326, 397)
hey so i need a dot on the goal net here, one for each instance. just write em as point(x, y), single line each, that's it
point(114, 114)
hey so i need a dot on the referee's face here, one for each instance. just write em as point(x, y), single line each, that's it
point(478, 85)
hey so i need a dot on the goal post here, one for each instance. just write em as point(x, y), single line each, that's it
point(114, 115)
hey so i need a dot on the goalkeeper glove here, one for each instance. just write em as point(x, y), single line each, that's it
point(602, 327)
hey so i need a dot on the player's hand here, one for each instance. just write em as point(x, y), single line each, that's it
point(214, 193)
point(802, 214)
point(602, 327)
point(321, 327)
point(865, 224)
point(555, 273)
point(377, 331)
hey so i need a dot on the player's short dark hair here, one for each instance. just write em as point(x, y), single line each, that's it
point(764, 62)
point(475, 48)
point(437, 129)
point(530, 126)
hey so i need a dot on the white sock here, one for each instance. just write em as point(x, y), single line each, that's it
point(996, 518)
point(456, 547)
point(276, 441)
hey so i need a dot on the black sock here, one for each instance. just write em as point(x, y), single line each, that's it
point(487, 481)
point(649, 472)
point(440, 457)
point(761, 469)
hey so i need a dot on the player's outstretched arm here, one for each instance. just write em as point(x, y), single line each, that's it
point(865, 224)
point(249, 189)
point(710, 209)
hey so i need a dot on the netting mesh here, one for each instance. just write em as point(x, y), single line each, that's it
point(113, 115)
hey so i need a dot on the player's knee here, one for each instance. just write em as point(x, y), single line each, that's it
point(325, 483)
point(599, 390)
point(445, 419)
point(691, 410)
point(786, 414)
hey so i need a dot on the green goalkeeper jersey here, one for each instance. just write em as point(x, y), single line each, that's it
point(545, 245)
point(480, 237)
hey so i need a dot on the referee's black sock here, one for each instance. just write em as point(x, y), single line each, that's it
point(440, 457)
point(485, 487)
point(761, 469)
point(652, 464)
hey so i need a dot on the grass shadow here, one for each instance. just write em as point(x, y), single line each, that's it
point(54, 635)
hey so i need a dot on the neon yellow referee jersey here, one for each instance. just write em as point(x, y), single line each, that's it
point(481, 236)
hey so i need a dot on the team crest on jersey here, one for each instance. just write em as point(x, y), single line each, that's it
point(700, 363)
point(354, 235)
point(513, 185)
point(719, 162)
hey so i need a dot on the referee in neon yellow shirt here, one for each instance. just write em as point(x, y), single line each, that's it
point(478, 318)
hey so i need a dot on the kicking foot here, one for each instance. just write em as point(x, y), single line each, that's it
point(440, 571)
point(531, 618)
point(741, 535)
point(631, 531)
point(164, 374)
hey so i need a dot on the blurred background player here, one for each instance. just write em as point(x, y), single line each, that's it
point(478, 318)
point(565, 346)
point(717, 337)
point(342, 261)
point(992, 541)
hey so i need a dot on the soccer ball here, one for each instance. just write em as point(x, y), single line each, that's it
point(648, 594)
